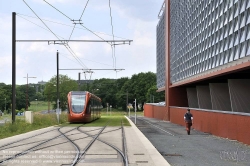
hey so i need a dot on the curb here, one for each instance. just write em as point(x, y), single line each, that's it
point(151, 150)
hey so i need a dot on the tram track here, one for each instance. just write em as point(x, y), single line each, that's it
point(70, 139)
point(33, 147)
point(60, 142)
point(1, 148)
point(123, 152)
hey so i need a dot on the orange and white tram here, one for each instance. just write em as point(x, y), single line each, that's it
point(83, 106)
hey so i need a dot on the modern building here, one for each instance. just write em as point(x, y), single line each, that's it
point(206, 53)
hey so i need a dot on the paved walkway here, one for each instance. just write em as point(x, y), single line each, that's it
point(199, 148)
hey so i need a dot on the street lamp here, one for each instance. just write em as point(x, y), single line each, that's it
point(36, 104)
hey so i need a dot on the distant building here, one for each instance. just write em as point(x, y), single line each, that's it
point(41, 82)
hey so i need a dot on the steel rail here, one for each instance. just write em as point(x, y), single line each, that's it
point(60, 142)
point(75, 145)
point(89, 144)
point(114, 147)
point(24, 139)
point(32, 148)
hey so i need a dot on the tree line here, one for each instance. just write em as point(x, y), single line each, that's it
point(116, 92)
point(34, 92)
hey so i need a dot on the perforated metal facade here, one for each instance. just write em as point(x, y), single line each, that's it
point(205, 34)
point(160, 52)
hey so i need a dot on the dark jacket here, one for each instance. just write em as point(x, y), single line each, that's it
point(188, 117)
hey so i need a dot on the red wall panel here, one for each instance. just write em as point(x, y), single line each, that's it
point(220, 124)
point(153, 111)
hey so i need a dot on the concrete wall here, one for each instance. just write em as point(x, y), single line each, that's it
point(220, 96)
point(240, 94)
point(192, 98)
point(232, 126)
point(204, 98)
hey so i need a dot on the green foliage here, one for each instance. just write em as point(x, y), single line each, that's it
point(39, 96)
point(65, 86)
point(158, 96)
point(5, 93)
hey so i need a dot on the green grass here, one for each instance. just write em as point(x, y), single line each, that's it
point(39, 106)
point(40, 121)
point(113, 119)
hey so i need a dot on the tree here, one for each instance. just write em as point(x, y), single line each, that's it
point(21, 99)
point(6, 93)
point(66, 85)
point(139, 84)
point(105, 89)
point(158, 96)
point(39, 96)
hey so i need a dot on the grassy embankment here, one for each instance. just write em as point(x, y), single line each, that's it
point(42, 121)
point(20, 126)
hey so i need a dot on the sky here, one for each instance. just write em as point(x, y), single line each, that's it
point(131, 19)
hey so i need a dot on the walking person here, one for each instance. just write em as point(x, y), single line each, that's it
point(188, 118)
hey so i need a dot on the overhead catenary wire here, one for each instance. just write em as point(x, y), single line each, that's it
point(70, 50)
point(76, 57)
point(86, 60)
point(67, 25)
point(37, 25)
point(57, 9)
point(80, 24)
point(41, 20)
point(79, 19)
point(84, 9)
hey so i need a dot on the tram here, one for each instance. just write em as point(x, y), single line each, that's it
point(83, 106)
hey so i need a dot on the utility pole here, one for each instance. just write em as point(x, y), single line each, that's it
point(13, 67)
point(27, 87)
point(79, 80)
point(57, 84)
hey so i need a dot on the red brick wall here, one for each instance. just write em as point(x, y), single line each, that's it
point(152, 111)
point(230, 126)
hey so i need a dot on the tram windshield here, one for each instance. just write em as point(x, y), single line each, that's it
point(78, 103)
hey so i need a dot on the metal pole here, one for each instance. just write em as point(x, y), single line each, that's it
point(135, 111)
point(13, 67)
point(79, 79)
point(36, 105)
point(129, 113)
point(127, 104)
point(57, 83)
point(27, 93)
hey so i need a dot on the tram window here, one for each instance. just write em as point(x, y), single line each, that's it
point(78, 103)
